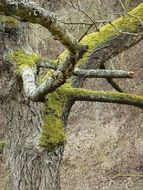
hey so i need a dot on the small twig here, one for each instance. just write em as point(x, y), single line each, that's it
point(85, 23)
point(119, 31)
point(78, 8)
point(123, 7)
point(129, 175)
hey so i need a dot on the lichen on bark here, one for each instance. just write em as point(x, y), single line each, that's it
point(23, 59)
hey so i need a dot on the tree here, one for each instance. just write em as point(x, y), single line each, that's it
point(36, 136)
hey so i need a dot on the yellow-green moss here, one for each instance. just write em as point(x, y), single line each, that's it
point(9, 21)
point(23, 59)
point(53, 132)
point(128, 23)
point(2, 144)
point(113, 96)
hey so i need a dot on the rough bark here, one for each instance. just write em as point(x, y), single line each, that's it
point(28, 11)
point(111, 40)
point(28, 166)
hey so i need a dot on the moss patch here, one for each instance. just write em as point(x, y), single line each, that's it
point(128, 23)
point(23, 59)
point(53, 133)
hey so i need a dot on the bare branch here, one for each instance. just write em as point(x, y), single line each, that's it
point(91, 73)
point(103, 73)
point(114, 85)
point(85, 23)
point(78, 8)
point(111, 81)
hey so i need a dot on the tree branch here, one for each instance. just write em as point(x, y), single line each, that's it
point(29, 84)
point(111, 81)
point(85, 23)
point(108, 42)
point(114, 84)
point(80, 94)
point(26, 63)
point(27, 11)
point(103, 45)
point(91, 73)
point(102, 73)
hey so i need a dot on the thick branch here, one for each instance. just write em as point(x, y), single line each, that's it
point(27, 11)
point(80, 94)
point(29, 84)
point(108, 42)
point(103, 45)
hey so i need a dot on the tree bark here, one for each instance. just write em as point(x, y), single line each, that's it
point(29, 167)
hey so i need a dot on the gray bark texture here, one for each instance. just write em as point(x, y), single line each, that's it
point(27, 167)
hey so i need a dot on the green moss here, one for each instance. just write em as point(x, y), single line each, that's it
point(53, 133)
point(9, 21)
point(110, 96)
point(128, 23)
point(2, 145)
point(23, 59)
point(123, 24)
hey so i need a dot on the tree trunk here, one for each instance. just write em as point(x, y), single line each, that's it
point(29, 167)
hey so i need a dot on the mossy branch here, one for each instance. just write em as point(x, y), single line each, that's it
point(79, 94)
point(102, 45)
point(109, 42)
point(26, 64)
